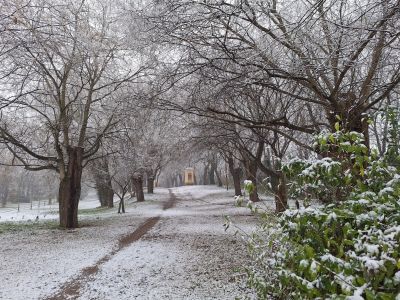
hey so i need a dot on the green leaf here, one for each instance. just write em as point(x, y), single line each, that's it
point(385, 296)
point(337, 126)
point(370, 295)
point(309, 251)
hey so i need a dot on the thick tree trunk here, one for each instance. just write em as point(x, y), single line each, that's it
point(150, 184)
point(100, 193)
point(70, 188)
point(235, 172)
point(278, 182)
point(105, 194)
point(138, 184)
point(103, 182)
point(110, 196)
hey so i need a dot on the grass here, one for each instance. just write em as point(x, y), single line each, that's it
point(87, 211)
point(28, 225)
point(93, 211)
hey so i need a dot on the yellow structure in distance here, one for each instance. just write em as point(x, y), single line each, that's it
point(189, 176)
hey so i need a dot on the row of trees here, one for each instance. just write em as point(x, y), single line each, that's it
point(80, 87)
point(73, 82)
point(261, 78)
point(19, 186)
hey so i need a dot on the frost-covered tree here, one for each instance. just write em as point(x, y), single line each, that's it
point(62, 79)
point(336, 57)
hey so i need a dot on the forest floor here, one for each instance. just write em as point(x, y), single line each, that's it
point(173, 246)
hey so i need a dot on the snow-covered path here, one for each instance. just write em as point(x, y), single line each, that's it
point(184, 253)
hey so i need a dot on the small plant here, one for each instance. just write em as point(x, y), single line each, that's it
point(248, 188)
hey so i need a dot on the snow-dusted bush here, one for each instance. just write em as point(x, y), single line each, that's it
point(334, 177)
point(348, 249)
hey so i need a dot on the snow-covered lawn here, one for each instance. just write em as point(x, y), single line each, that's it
point(41, 210)
point(186, 255)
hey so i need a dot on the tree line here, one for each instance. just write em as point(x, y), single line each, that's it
point(118, 87)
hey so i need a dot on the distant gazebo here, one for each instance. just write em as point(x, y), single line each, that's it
point(189, 176)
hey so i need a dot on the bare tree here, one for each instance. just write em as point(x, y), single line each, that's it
point(70, 62)
point(336, 56)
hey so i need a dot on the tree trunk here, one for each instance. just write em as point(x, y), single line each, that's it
point(281, 197)
point(4, 196)
point(150, 184)
point(70, 188)
point(219, 180)
point(180, 179)
point(211, 175)
point(157, 179)
point(278, 182)
point(110, 196)
point(121, 206)
point(235, 172)
point(109, 192)
point(103, 182)
point(100, 193)
point(205, 173)
point(251, 172)
point(138, 184)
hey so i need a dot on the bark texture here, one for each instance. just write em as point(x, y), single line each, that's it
point(103, 182)
point(70, 188)
point(235, 172)
point(150, 184)
point(138, 185)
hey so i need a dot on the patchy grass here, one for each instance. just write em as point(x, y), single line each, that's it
point(88, 211)
point(29, 225)
point(94, 211)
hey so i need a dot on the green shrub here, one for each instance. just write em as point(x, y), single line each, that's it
point(348, 249)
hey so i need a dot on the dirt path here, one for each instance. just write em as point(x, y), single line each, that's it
point(186, 255)
point(72, 288)
point(173, 246)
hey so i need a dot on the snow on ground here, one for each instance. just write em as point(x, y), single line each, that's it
point(186, 255)
point(41, 208)
point(29, 212)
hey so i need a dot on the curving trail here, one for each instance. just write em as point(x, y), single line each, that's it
point(172, 246)
point(72, 288)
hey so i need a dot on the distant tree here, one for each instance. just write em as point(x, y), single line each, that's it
point(100, 171)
